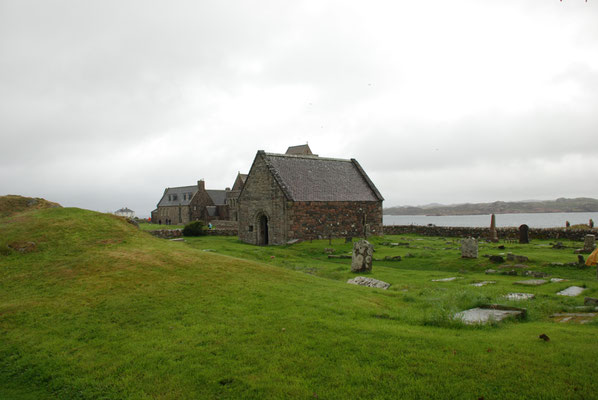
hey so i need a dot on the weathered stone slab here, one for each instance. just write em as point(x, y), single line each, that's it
point(516, 258)
point(491, 271)
point(497, 259)
point(520, 296)
point(480, 315)
point(556, 280)
point(589, 243)
point(531, 282)
point(445, 279)
point(580, 318)
point(469, 248)
point(483, 283)
point(369, 282)
point(524, 234)
point(590, 301)
point(571, 291)
point(363, 252)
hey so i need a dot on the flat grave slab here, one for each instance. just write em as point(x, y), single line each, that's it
point(555, 280)
point(445, 279)
point(579, 318)
point(520, 296)
point(571, 291)
point(370, 282)
point(484, 283)
point(484, 315)
point(531, 282)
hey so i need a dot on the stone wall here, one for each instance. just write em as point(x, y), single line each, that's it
point(503, 233)
point(176, 214)
point(261, 196)
point(313, 219)
point(167, 233)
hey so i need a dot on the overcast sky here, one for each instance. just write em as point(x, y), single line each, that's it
point(103, 104)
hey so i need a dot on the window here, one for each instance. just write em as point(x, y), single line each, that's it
point(174, 197)
point(250, 228)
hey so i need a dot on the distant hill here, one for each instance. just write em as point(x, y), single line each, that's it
point(12, 204)
point(581, 204)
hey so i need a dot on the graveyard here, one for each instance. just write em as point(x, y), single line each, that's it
point(93, 307)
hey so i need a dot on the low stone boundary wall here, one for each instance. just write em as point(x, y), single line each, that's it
point(222, 232)
point(503, 233)
point(177, 233)
point(167, 233)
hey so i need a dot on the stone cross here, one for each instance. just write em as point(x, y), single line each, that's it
point(589, 243)
point(524, 234)
point(493, 235)
point(469, 248)
point(363, 251)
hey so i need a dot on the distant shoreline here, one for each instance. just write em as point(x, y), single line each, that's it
point(561, 205)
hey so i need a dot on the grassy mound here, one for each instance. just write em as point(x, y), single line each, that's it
point(103, 310)
point(11, 204)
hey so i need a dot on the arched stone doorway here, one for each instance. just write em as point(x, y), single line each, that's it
point(262, 232)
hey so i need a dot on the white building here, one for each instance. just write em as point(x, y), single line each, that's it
point(125, 212)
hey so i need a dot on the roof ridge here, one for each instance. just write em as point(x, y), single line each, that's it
point(307, 156)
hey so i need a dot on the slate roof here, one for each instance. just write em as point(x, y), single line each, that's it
point(302, 149)
point(217, 196)
point(180, 199)
point(311, 178)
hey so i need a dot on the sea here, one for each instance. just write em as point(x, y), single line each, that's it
point(535, 220)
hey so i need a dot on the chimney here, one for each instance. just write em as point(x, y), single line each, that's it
point(201, 185)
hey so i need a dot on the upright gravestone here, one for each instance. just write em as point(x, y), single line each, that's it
point(589, 243)
point(493, 235)
point(469, 248)
point(363, 251)
point(524, 234)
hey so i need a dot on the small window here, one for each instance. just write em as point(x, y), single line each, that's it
point(250, 228)
point(174, 197)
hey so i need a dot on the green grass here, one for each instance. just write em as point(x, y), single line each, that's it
point(154, 227)
point(102, 310)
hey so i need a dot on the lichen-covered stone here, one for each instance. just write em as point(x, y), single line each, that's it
point(363, 252)
point(370, 282)
point(469, 248)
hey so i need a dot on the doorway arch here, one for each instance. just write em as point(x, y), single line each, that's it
point(263, 238)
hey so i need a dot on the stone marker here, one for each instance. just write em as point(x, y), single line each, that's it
point(444, 279)
point(531, 282)
point(485, 315)
point(484, 283)
point(469, 248)
point(370, 282)
point(491, 271)
point(536, 274)
point(520, 296)
point(362, 256)
point(493, 235)
point(497, 259)
point(580, 318)
point(348, 239)
point(571, 291)
point(524, 234)
point(589, 243)
point(519, 259)
point(556, 280)
point(590, 301)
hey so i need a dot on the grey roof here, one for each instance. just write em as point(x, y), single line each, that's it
point(180, 199)
point(311, 178)
point(302, 149)
point(217, 196)
point(125, 209)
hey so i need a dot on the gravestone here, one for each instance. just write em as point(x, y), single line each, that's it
point(571, 291)
point(469, 248)
point(363, 252)
point(524, 234)
point(589, 243)
point(348, 239)
point(493, 235)
point(369, 282)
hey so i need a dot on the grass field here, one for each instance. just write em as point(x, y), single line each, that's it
point(102, 310)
